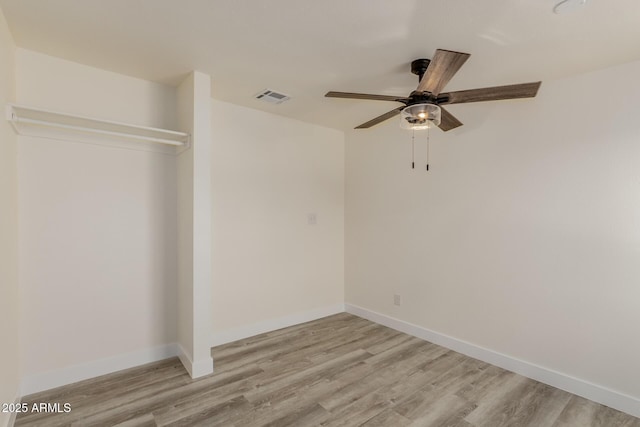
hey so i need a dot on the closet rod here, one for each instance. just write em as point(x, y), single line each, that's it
point(93, 130)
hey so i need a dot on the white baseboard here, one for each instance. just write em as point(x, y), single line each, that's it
point(597, 393)
point(274, 324)
point(195, 369)
point(52, 379)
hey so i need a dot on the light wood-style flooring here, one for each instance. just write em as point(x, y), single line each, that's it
point(337, 371)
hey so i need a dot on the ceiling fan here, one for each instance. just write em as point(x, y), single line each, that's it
point(422, 107)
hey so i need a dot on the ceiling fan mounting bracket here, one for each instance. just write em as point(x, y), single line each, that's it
point(419, 67)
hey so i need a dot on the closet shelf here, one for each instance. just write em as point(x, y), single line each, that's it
point(24, 118)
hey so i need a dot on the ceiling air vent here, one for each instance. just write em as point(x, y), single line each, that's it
point(272, 97)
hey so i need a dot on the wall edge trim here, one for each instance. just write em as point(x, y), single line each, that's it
point(14, 415)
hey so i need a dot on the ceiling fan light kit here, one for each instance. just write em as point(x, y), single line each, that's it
point(423, 107)
point(420, 116)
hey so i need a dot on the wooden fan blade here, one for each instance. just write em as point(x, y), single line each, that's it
point(351, 95)
point(444, 65)
point(381, 118)
point(448, 121)
point(523, 90)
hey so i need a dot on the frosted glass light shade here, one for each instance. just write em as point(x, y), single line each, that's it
point(420, 116)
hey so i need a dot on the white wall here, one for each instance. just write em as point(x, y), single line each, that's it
point(97, 224)
point(9, 301)
point(52, 83)
point(268, 174)
point(524, 236)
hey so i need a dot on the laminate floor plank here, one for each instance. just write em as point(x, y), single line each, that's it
point(544, 405)
point(322, 328)
point(500, 403)
point(291, 382)
point(214, 414)
point(432, 401)
point(359, 411)
point(146, 420)
point(388, 380)
point(583, 412)
point(188, 406)
point(339, 371)
point(387, 418)
point(128, 408)
point(112, 403)
point(448, 410)
point(382, 388)
point(286, 406)
point(491, 379)
point(393, 340)
point(93, 392)
point(321, 350)
point(311, 415)
point(279, 349)
point(362, 341)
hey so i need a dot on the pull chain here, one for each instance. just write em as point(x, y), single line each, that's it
point(413, 149)
point(428, 149)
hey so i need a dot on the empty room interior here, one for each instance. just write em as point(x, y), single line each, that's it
point(320, 213)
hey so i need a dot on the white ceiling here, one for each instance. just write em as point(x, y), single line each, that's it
point(304, 48)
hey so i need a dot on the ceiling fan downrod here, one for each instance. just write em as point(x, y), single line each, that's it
point(419, 67)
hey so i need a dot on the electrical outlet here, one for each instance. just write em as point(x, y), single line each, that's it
point(397, 299)
point(312, 219)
